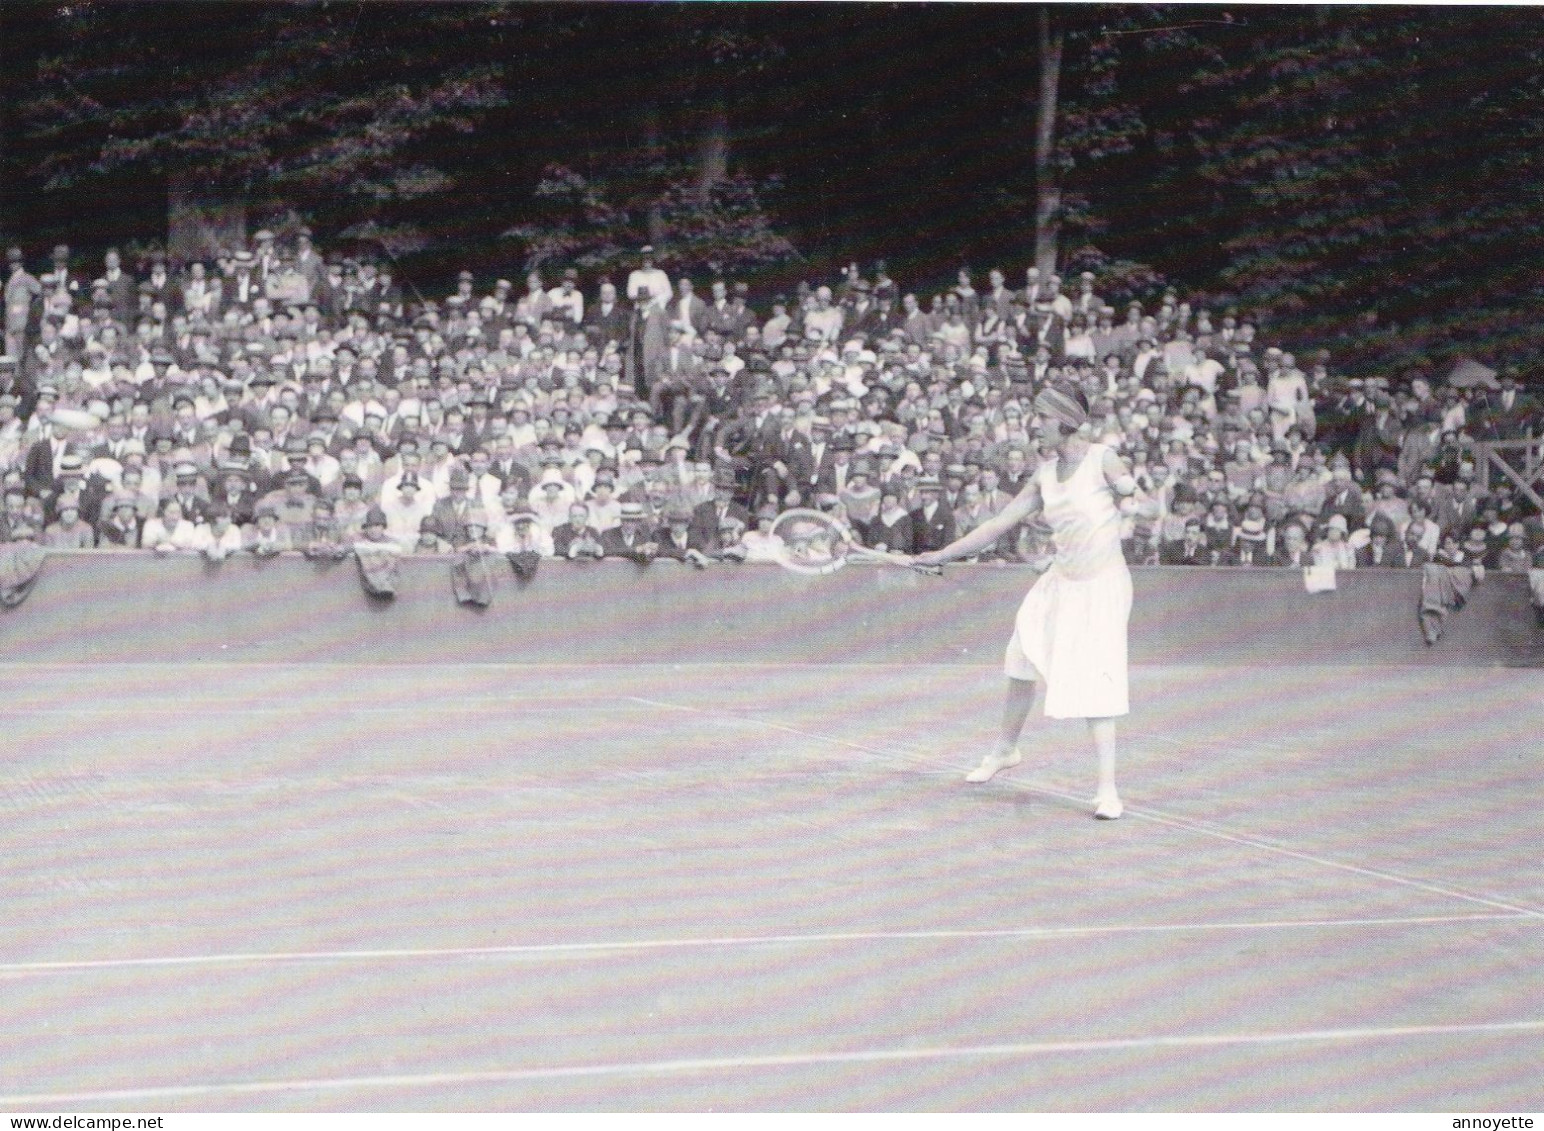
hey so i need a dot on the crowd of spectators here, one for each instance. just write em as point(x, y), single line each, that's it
point(277, 399)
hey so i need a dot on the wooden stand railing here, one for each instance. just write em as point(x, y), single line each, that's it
point(1521, 461)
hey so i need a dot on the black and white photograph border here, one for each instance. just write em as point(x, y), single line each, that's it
point(422, 689)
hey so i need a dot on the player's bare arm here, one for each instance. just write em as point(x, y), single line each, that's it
point(1026, 503)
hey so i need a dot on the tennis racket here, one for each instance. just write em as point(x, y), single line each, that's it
point(812, 542)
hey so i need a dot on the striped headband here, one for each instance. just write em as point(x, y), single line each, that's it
point(1061, 406)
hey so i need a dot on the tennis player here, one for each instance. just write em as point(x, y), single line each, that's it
point(1071, 628)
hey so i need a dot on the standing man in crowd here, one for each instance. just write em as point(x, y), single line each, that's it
point(22, 289)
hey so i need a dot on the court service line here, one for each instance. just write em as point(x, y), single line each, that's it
point(1146, 813)
point(542, 950)
point(708, 1065)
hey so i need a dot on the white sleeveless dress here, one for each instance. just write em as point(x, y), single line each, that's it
point(1071, 628)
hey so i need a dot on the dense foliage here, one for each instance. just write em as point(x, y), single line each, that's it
point(1359, 176)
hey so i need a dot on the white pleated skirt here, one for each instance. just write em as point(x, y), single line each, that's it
point(1071, 634)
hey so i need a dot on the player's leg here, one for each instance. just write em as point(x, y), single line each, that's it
point(1107, 805)
point(1018, 701)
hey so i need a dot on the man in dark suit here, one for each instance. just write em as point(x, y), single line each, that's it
point(741, 317)
point(932, 522)
point(186, 490)
point(576, 538)
point(1383, 550)
point(606, 321)
point(708, 517)
point(669, 399)
point(676, 539)
point(774, 444)
point(448, 518)
point(1048, 330)
point(159, 285)
point(630, 540)
point(687, 310)
point(41, 467)
point(1292, 550)
point(1191, 550)
point(862, 313)
point(243, 288)
point(720, 315)
point(1380, 435)
point(1344, 497)
point(121, 288)
point(809, 459)
point(507, 468)
point(1508, 413)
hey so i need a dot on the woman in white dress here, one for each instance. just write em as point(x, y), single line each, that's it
point(1071, 629)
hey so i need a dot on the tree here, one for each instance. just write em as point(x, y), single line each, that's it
point(1083, 119)
point(598, 223)
point(1365, 196)
point(242, 107)
point(677, 186)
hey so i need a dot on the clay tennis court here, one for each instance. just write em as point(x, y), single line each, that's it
point(238, 887)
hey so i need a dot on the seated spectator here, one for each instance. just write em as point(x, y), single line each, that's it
point(405, 512)
point(295, 505)
point(1515, 557)
point(860, 498)
point(429, 540)
point(1217, 526)
point(731, 541)
point(69, 531)
point(225, 536)
point(350, 510)
point(1495, 530)
point(576, 539)
point(1293, 551)
point(631, 539)
point(172, 532)
point(676, 539)
point(1333, 548)
point(1384, 550)
point(1253, 542)
point(932, 522)
point(1450, 551)
point(708, 517)
point(326, 535)
point(1193, 548)
point(551, 499)
point(266, 537)
point(522, 534)
point(891, 528)
point(761, 544)
point(120, 526)
point(1476, 548)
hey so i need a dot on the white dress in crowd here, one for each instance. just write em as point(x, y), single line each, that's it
point(1072, 624)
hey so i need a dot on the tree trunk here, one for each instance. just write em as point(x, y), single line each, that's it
point(1047, 176)
point(654, 149)
point(199, 219)
point(712, 150)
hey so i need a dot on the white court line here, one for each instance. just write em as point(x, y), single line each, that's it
point(1158, 817)
point(106, 666)
point(541, 950)
point(707, 1065)
point(1144, 813)
point(179, 710)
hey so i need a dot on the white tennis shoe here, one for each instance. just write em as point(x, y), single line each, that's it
point(991, 764)
point(1107, 807)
